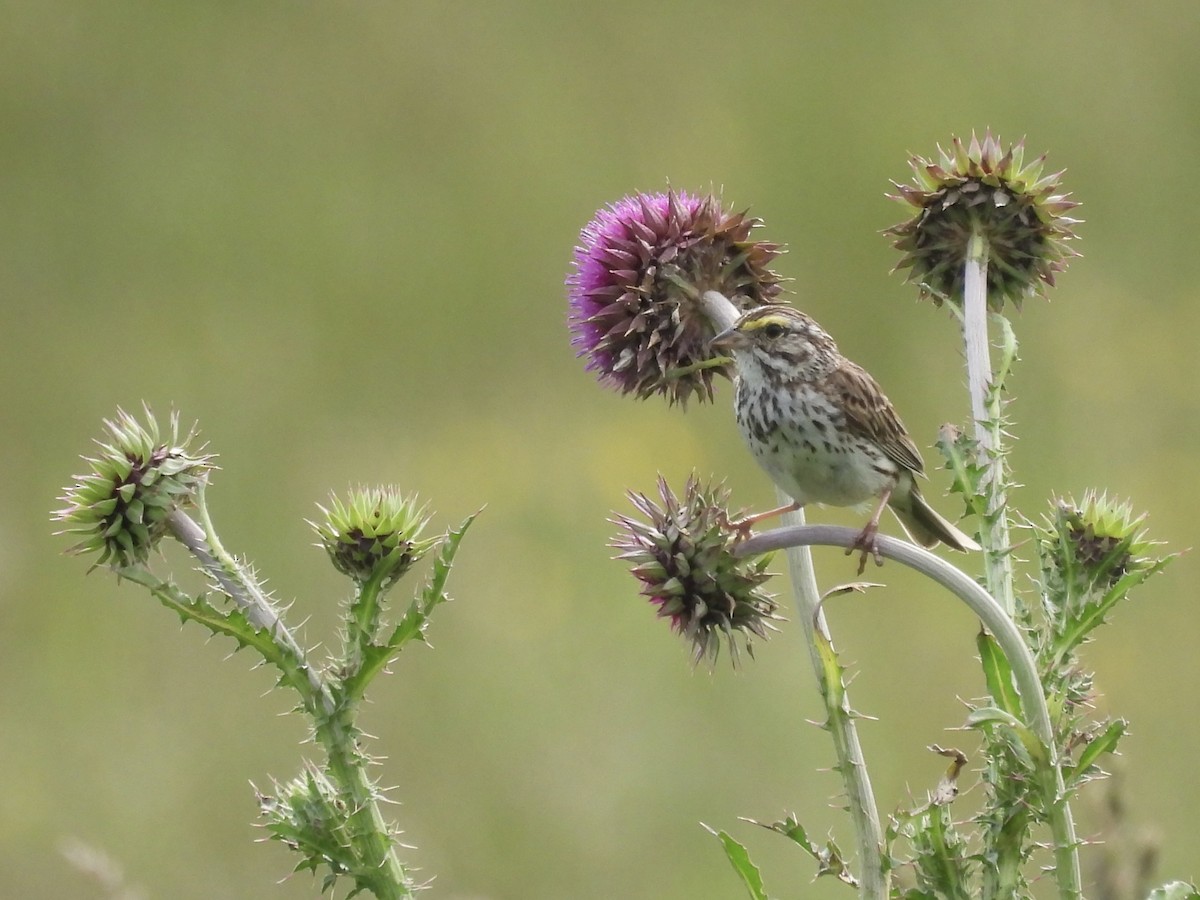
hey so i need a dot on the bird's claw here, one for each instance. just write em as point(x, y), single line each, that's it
point(741, 528)
point(866, 543)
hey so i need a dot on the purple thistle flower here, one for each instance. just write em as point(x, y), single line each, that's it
point(639, 271)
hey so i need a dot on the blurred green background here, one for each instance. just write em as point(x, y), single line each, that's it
point(336, 235)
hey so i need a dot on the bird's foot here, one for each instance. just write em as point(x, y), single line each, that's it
point(866, 543)
point(743, 526)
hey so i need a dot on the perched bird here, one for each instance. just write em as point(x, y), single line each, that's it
point(823, 430)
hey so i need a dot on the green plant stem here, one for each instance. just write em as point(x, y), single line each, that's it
point(986, 416)
point(874, 879)
point(335, 730)
point(362, 621)
point(380, 867)
point(1008, 636)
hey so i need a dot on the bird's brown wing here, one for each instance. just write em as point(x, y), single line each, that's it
point(870, 414)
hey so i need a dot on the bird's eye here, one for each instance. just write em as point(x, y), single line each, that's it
point(773, 330)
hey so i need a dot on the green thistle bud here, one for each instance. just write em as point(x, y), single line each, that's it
point(1092, 554)
point(307, 815)
point(376, 534)
point(136, 481)
point(981, 189)
point(682, 553)
point(1094, 543)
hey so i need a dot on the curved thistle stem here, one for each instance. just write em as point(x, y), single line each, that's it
point(998, 622)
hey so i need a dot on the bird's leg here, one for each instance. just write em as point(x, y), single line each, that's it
point(866, 538)
point(742, 526)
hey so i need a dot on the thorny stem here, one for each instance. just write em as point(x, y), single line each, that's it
point(373, 840)
point(1008, 636)
point(986, 408)
point(875, 879)
point(242, 589)
point(985, 414)
point(335, 727)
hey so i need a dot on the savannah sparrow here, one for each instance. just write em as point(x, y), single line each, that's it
point(823, 430)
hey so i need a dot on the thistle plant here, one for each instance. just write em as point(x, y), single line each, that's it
point(989, 230)
point(143, 486)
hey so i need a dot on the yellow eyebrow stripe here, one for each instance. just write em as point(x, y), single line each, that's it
point(764, 321)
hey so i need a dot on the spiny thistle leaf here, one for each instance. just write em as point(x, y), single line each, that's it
point(833, 674)
point(376, 657)
point(941, 860)
point(231, 623)
point(307, 815)
point(961, 453)
point(829, 857)
point(1014, 733)
point(998, 674)
point(739, 858)
point(434, 594)
point(1105, 743)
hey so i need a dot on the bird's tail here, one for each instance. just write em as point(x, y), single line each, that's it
point(925, 526)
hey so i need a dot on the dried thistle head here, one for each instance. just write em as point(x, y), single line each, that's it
point(639, 271)
point(982, 188)
point(681, 552)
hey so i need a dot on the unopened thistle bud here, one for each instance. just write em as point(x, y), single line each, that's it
point(640, 269)
point(981, 189)
point(375, 534)
point(136, 481)
point(307, 815)
point(1094, 542)
point(682, 553)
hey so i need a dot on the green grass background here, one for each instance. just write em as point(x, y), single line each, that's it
point(336, 235)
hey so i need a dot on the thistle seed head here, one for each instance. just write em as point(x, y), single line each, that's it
point(985, 189)
point(682, 553)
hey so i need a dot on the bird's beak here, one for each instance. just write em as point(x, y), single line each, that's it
point(729, 339)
